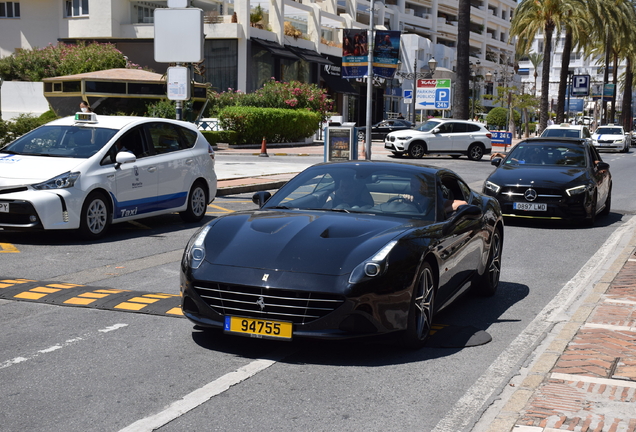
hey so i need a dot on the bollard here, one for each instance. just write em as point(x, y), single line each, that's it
point(264, 148)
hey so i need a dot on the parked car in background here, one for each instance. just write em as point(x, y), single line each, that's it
point(354, 249)
point(88, 171)
point(552, 178)
point(567, 130)
point(445, 136)
point(381, 129)
point(612, 138)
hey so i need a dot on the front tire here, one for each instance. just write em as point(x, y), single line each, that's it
point(417, 150)
point(487, 284)
point(95, 216)
point(197, 203)
point(420, 319)
point(475, 152)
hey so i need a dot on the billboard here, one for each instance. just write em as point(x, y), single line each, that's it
point(355, 53)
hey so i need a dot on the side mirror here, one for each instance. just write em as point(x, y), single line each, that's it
point(124, 157)
point(435, 131)
point(464, 212)
point(260, 198)
point(602, 166)
point(496, 161)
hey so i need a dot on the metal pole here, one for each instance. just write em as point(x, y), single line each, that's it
point(179, 106)
point(370, 41)
point(567, 112)
point(414, 87)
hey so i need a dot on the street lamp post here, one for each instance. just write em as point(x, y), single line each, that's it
point(432, 65)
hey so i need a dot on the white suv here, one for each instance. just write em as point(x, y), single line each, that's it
point(447, 136)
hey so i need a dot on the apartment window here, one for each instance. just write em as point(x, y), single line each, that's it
point(9, 10)
point(76, 8)
point(143, 12)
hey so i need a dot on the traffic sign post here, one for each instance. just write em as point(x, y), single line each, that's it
point(433, 94)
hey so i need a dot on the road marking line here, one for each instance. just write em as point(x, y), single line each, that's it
point(56, 347)
point(619, 301)
point(203, 394)
point(8, 248)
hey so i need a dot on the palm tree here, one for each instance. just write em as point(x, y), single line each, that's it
point(535, 59)
point(530, 17)
point(462, 85)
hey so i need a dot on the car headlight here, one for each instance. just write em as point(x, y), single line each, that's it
point(63, 181)
point(374, 266)
point(618, 141)
point(576, 190)
point(405, 138)
point(491, 187)
point(195, 250)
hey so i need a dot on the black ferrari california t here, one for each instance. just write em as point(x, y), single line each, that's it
point(342, 250)
point(552, 178)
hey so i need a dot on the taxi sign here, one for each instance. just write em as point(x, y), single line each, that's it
point(82, 117)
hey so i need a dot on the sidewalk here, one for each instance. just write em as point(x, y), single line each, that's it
point(583, 378)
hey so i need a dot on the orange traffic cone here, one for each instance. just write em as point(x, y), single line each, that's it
point(264, 148)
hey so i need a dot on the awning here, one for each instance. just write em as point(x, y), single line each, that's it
point(309, 55)
point(338, 85)
point(275, 49)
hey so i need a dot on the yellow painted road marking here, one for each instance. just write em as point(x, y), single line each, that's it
point(45, 290)
point(130, 306)
point(29, 295)
point(64, 286)
point(8, 248)
point(79, 301)
point(175, 311)
point(93, 295)
point(223, 209)
point(143, 300)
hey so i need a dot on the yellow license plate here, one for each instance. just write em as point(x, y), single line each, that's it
point(258, 328)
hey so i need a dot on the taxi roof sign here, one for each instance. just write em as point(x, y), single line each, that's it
point(82, 117)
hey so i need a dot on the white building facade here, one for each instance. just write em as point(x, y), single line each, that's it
point(292, 40)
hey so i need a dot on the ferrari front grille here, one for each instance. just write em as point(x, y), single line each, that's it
point(299, 307)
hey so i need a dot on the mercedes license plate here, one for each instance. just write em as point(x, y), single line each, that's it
point(4, 207)
point(529, 206)
point(258, 328)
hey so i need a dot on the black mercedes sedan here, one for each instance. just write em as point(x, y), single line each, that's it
point(345, 249)
point(552, 178)
point(381, 129)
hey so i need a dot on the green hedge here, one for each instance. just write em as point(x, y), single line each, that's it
point(215, 137)
point(274, 124)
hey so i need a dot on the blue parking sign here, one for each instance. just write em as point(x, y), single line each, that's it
point(442, 98)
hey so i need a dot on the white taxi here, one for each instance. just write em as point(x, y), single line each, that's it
point(89, 171)
point(612, 138)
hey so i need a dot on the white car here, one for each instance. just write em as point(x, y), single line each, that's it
point(567, 130)
point(446, 136)
point(88, 171)
point(611, 137)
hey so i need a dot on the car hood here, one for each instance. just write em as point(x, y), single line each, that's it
point(319, 242)
point(409, 132)
point(608, 136)
point(16, 170)
point(553, 177)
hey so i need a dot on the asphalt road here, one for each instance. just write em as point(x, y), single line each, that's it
point(78, 368)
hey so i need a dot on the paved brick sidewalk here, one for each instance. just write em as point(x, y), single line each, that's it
point(586, 379)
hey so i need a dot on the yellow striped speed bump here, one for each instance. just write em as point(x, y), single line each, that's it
point(65, 294)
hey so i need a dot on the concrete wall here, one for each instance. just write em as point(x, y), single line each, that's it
point(19, 97)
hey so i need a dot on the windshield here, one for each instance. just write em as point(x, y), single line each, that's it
point(428, 126)
point(546, 154)
point(360, 189)
point(609, 131)
point(61, 141)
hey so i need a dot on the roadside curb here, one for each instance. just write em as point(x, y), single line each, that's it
point(513, 415)
point(252, 184)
